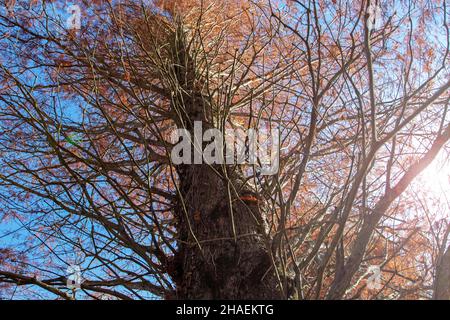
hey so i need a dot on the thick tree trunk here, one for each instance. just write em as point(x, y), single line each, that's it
point(223, 253)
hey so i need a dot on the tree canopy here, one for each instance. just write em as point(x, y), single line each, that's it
point(91, 93)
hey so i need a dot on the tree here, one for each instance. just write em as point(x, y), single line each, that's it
point(90, 101)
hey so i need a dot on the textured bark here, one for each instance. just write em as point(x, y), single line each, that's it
point(215, 264)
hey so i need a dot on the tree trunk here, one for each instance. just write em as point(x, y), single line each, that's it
point(223, 253)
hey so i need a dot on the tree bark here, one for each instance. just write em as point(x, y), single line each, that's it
point(223, 252)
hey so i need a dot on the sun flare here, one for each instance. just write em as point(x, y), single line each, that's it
point(435, 179)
